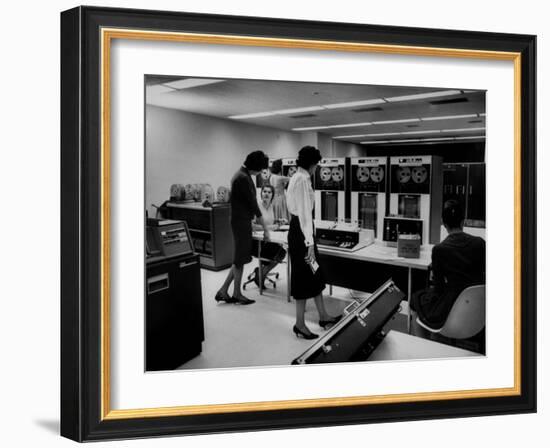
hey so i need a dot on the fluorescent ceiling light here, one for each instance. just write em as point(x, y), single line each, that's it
point(298, 110)
point(435, 131)
point(256, 115)
point(311, 128)
point(421, 96)
point(332, 126)
point(350, 125)
point(354, 103)
point(438, 139)
point(191, 82)
point(405, 120)
point(449, 117)
point(463, 130)
point(368, 135)
point(276, 112)
point(158, 88)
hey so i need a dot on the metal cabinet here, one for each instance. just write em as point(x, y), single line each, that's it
point(174, 328)
point(465, 182)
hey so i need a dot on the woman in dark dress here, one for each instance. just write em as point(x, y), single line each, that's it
point(244, 207)
point(306, 279)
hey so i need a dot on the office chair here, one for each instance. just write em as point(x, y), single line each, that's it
point(269, 278)
point(467, 316)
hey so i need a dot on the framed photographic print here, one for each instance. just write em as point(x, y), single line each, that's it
point(219, 171)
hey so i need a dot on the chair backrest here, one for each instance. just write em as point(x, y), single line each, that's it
point(467, 316)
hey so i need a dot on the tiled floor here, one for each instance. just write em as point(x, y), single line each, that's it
point(259, 334)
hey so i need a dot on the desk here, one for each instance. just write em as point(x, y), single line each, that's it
point(401, 346)
point(375, 253)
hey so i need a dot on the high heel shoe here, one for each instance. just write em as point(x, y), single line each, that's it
point(331, 321)
point(300, 333)
point(224, 298)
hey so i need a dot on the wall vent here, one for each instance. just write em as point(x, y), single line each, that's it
point(367, 109)
point(451, 101)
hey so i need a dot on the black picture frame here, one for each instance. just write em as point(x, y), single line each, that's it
point(84, 411)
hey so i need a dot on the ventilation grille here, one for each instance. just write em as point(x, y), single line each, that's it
point(451, 101)
point(367, 109)
point(303, 116)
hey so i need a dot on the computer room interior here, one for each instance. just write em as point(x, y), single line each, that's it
point(198, 133)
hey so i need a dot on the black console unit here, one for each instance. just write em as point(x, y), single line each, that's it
point(174, 328)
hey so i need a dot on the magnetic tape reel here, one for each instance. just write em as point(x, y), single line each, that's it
point(208, 193)
point(419, 174)
point(325, 174)
point(362, 173)
point(291, 171)
point(177, 191)
point(403, 174)
point(337, 174)
point(377, 174)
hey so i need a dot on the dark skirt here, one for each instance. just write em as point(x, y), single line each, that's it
point(242, 241)
point(304, 284)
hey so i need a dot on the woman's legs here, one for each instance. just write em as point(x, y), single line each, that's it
point(300, 326)
point(320, 304)
point(300, 314)
point(224, 288)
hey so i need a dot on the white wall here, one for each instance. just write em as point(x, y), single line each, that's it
point(29, 181)
point(188, 148)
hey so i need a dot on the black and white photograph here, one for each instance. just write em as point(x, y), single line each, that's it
point(295, 223)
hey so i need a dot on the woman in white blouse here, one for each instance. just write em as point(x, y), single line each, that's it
point(306, 280)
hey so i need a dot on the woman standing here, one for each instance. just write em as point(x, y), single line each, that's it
point(306, 279)
point(244, 207)
point(279, 184)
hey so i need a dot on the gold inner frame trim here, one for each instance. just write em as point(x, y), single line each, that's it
point(107, 35)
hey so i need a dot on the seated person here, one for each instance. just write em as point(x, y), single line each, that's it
point(270, 251)
point(457, 262)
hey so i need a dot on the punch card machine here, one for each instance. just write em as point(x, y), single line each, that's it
point(416, 194)
point(368, 192)
point(330, 190)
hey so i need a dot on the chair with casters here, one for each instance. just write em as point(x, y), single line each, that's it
point(271, 277)
point(466, 318)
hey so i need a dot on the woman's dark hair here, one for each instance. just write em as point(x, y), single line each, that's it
point(452, 214)
point(308, 156)
point(277, 166)
point(270, 188)
point(256, 161)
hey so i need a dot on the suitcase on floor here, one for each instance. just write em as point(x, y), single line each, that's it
point(359, 332)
